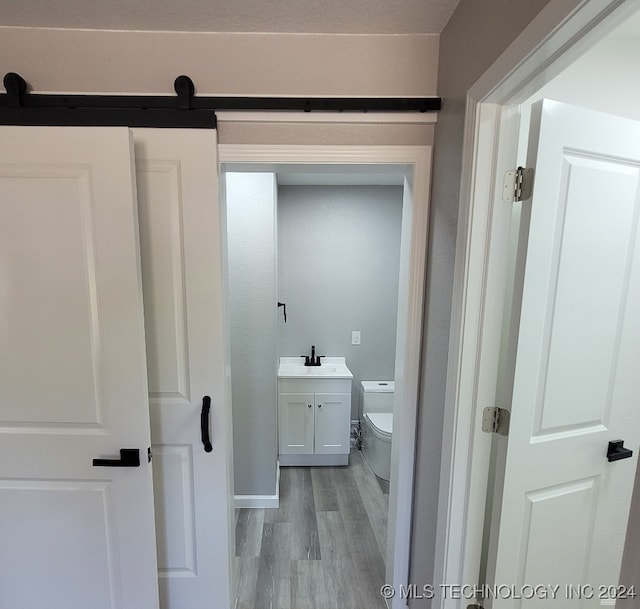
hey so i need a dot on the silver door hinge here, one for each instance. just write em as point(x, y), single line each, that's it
point(495, 420)
point(518, 185)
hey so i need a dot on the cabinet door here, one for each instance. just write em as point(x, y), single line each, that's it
point(295, 423)
point(332, 414)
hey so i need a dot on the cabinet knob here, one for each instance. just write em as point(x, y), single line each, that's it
point(319, 405)
point(309, 405)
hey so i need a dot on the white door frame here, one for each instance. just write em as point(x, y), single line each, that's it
point(557, 36)
point(417, 160)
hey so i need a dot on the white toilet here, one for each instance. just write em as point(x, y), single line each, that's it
point(376, 420)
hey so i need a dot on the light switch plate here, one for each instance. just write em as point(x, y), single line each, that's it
point(355, 337)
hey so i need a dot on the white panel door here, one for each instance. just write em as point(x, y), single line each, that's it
point(332, 423)
point(72, 375)
point(295, 423)
point(577, 371)
point(180, 239)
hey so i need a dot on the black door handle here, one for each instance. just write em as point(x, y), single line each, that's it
point(204, 424)
point(617, 451)
point(129, 457)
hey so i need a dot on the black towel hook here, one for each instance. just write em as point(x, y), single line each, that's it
point(283, 304)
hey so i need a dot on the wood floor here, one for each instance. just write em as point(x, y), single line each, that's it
point(323, 548)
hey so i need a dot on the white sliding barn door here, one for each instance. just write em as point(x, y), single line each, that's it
point(180, 229)
point(576, 386)
point(72, 375)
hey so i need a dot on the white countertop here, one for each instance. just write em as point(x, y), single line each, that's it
point(330, 368)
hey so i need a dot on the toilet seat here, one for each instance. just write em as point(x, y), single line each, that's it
point(378, 386)
point(382, 422)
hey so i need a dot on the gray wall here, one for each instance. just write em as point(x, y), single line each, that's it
point(477, 33)
point(251, 234)
point(630, 571)
point(338, 257)
point(255, 63)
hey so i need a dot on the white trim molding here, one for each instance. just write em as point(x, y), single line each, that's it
point(418, 156)
point(384, 118)
point(260, 501)
point(416, 164)
point(256, 501)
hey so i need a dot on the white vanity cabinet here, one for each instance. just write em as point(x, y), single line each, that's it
point(314, 421)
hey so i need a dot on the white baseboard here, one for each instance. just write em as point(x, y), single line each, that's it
point(256, 501)
point(260, 501)
point(311, 460)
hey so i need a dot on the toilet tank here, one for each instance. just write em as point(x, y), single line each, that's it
point(376, 396)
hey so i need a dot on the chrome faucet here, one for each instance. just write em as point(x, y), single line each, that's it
point(314, 360)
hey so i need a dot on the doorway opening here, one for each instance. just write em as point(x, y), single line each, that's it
point(335, 486)
point(596, 71)
point(336, 240)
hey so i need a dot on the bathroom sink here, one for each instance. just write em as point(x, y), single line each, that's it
point(310, 370)
point(306, 370)
point(331, 367)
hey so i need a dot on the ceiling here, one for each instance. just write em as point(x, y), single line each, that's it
point(340, 179)
point(628, 30)
point(327, 175)
point(293, 16)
